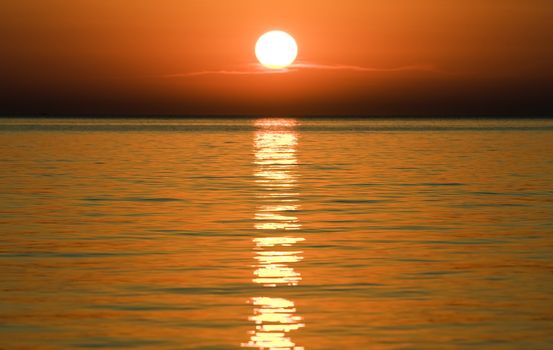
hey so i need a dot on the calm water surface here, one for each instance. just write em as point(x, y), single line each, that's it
point(276, 234)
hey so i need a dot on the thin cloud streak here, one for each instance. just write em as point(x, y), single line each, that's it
point(260, 70)
point(226, 72)
point(417, 67)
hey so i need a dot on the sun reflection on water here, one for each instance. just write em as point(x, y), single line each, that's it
point(276, 176)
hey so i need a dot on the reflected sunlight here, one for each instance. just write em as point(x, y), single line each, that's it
point(276, 177)
point(274, 317)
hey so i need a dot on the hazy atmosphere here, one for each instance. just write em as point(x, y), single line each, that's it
point(276, 175)
point(192, 57)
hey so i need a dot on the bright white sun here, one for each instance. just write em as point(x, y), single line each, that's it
point(276, 49)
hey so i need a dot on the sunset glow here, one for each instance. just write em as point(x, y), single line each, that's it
point(200, 57)
point(276, 175)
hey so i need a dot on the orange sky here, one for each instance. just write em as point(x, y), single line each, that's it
point(415, 57)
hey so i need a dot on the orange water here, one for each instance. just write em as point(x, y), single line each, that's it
point(276, 233)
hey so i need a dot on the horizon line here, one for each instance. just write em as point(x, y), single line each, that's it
point(271, 115)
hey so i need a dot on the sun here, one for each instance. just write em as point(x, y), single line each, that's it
point(276, 49)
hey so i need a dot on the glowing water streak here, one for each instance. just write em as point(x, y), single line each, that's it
point(276, 178)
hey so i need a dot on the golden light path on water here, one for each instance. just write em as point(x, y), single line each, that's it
point(276, 177)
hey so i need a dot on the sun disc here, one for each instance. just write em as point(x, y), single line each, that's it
point(276, 49)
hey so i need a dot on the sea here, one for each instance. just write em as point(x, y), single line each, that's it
point(276, 233)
